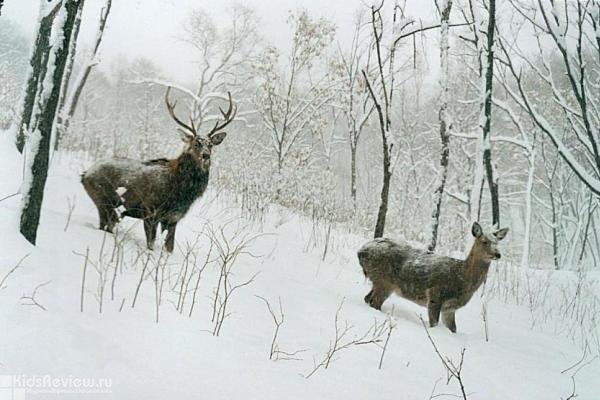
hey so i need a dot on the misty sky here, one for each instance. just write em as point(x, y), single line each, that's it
point(152, 28)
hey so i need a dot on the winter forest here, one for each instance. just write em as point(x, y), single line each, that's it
point(300, 196)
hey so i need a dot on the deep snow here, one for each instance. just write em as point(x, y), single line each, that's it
point(179, 358)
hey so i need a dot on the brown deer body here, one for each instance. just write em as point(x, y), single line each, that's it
point(156, 191)
point(442, 284)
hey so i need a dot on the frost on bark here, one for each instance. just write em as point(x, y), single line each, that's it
point(38, 144)
point(37, 71)
point(444, 121)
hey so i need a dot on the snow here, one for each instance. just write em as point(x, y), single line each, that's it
point(178, 357)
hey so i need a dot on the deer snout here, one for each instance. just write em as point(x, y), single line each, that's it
point(497, 256)
point(205, 156)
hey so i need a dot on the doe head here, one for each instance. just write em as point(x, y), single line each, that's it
point(486, 243)
point(200, 146)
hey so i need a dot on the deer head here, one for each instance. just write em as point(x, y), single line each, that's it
point(200, 146)
point(486, 244)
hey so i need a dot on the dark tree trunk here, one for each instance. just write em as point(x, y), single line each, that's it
point(60, 116)
point(33, 198)
point(590, 216)
point(38, 63)
point(489, 80)
point(385, 193)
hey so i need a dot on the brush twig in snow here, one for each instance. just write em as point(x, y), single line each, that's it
point(275, 352)
point(454, 370)
point(30, 300)
point(341, 342)
point(12, 270)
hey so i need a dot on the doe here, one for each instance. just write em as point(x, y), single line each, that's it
point(442, 284)
point(160, 190)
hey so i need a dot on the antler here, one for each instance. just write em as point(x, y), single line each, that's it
point(171, 107)
point(227, 116)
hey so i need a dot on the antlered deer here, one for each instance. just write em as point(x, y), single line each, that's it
point(442, 284)
point(160, 190)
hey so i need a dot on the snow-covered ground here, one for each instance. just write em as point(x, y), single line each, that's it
point(180, 358)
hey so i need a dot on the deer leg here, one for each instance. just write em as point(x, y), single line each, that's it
point(170, 240)
point(379, 294)
point(368, 297)
point(434, 307)
point(150, 229)
point(108, 218)
point(103, 216)
point(448, 320)
point(111, 219)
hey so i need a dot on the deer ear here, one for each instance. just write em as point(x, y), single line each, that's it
point(501, 233)
point(217, 138)
point(476, 230)
point(185, 136)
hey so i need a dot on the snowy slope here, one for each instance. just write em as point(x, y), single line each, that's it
point(179, 357)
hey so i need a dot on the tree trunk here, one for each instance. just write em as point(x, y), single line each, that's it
point(489, 80)
point(385, 193)
point(555, 255)
point(353, 175)
point(38, 65)
point(60, 116)
point(38, 145)
point(444, 120)
point(528, 209)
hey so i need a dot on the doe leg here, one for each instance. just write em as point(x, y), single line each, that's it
point(379, 294)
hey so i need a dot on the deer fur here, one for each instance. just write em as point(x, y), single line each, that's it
point(442, 284)
point(159, 191)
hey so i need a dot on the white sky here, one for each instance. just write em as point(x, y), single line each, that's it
point(151, 28)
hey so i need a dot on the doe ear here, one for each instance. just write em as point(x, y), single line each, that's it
point(476, 230)
point(217, 138)
point(501, 233)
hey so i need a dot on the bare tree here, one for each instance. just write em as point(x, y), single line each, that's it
point(286, 107)
point(355, 102)
point(383, 104)
point(224, 52)
point(567, 26)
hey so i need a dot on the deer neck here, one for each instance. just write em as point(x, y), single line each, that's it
point(190, 179)
point(476, 268)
